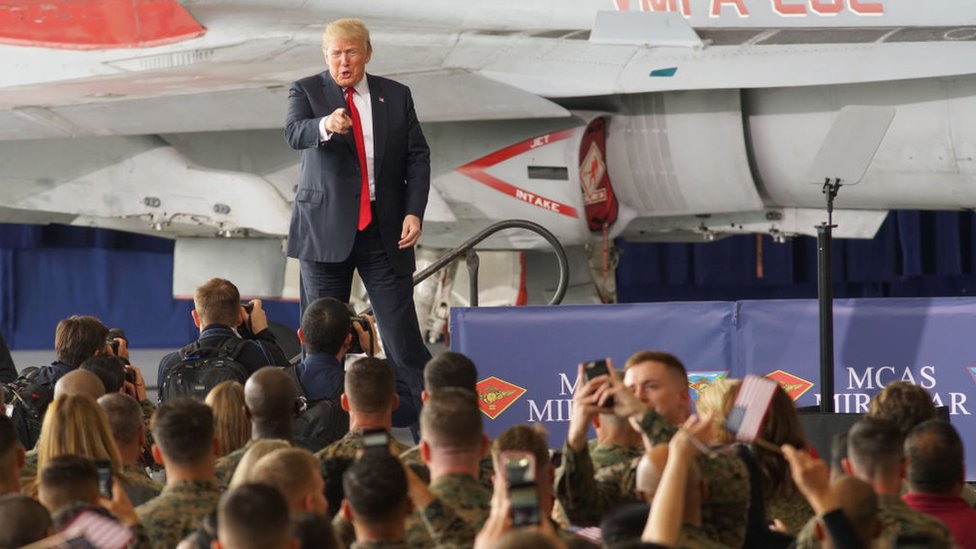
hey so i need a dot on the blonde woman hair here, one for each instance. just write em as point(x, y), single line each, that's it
point(717, 398)
point(231, 426)
point(346, 29)
point(76, 424)
point(244, 472)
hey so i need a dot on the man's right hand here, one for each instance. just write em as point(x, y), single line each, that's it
point(338, 121)
point(366, 338)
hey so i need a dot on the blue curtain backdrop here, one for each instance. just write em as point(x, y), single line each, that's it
point(915, 254)
point(51, 272)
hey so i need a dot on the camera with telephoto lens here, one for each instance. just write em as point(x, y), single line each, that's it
point(356, 347)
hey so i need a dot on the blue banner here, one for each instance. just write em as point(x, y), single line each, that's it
point(527, 356)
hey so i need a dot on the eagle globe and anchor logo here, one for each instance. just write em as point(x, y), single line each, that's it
point(496, 395)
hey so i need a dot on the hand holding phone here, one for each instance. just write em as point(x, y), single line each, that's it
point(104, 468)
point(523, 492)
point(594, 369)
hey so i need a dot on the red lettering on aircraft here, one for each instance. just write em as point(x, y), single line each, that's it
point(666, 5)
point(739, 6)
point(861, 7)
point(784, 8)
point(477, 170)
point(788, 10)
point(833, 7)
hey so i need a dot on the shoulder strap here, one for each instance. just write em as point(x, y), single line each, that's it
point(232, 347)
point(191, 349)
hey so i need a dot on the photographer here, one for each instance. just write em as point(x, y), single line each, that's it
point(222, 321)
point(330, 331)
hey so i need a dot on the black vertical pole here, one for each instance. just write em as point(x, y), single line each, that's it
point(826, 296)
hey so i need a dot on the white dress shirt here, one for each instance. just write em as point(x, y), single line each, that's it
point(365, 107)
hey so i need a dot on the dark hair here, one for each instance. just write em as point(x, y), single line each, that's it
point(79, 337)
point(838, 451)
point(325, 325)
point(450, 369)
point(370, 385)
point(23, 520)
point(782, 426)
point(8, 436)
point(124, 416)
point(375, 486)
point(332, 470)
point(902, 403)
point(254, 515)
point(217, 301)
point(669, 360)
point(314, 531)
point(451, 418)
point(68, 478)
point(184, 430)
point(109, 369)
point(935, 457)
point(875, 445)
point(525, 438)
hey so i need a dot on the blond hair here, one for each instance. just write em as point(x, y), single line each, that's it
point(346, 29)
point(717, 398)
point(231, 426)
point(290, 470)
point(245, 469)
point(76, 424)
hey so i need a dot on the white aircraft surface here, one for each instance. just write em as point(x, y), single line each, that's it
point(166, 118)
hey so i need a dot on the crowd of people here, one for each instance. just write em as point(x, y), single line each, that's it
point(304, 455)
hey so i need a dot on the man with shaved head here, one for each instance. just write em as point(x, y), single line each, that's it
point(295, 473)
point(125, 420)
point(370, 398)
point(79, 382)
point(271, 403)
point(22, 521)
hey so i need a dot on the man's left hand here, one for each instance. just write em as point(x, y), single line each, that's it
point(411, 231)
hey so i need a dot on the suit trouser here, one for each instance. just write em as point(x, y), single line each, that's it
point(391, 295)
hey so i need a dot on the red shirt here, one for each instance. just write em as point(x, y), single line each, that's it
point(952, 510)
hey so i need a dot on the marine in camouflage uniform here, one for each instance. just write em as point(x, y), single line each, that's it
point(139, 487)
point(692, 537)
point(587, 494)
point(486, 466)
point(352, 442)
point(465, 496)
point(606, 455)
point(227, 464)
point(178, 510)
point(897, 519)
point(791, 508)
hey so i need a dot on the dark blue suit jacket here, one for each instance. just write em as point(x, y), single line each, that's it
point(326, 212)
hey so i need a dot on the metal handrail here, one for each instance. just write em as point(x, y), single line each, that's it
point(467, 248)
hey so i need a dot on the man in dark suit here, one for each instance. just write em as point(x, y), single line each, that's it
point(362, 193)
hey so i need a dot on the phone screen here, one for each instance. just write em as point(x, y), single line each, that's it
point(104, 478)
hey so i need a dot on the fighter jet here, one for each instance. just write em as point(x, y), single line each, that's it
point(648, 119)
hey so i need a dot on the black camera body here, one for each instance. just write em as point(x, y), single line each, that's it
point(356, 347)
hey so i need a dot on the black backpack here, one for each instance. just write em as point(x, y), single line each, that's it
point(202, 368)
point(322, 422)
point(27, 401)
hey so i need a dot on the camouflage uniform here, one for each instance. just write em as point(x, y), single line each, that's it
point(29, 471)
point(227, 464)
point(138, 486)
point(385, 544)
point(791, 508)
point(466, 497)
point(178, 510)
point(448, 529)
point(897, 519)
point(487, 467)
point(605, 455)
point(352, 442)
point(692, 537)
point(587, 494)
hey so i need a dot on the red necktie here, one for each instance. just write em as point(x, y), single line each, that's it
point(365, 216)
